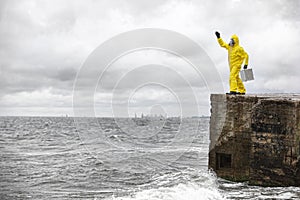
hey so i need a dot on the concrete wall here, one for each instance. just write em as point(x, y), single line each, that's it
point(256, 138)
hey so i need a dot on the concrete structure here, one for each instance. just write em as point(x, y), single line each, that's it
point(256, 138)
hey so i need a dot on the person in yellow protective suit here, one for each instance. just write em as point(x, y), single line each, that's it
point(236, 57)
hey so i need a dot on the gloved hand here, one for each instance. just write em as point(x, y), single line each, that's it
point(218, 34)
point(245, 66)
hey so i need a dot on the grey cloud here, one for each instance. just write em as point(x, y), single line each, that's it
point(67, 74)
point(287, 9)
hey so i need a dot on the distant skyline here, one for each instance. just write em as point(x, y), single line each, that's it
point(45, 43)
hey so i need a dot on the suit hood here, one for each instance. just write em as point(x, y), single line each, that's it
point(236, 40)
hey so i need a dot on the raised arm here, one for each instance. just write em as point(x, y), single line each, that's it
point(221, 42)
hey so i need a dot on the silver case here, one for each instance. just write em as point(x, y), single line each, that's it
point(247, 75)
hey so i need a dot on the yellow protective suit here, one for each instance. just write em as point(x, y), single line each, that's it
point(236, 57)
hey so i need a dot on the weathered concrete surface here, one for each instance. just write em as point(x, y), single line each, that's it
point(256, 138)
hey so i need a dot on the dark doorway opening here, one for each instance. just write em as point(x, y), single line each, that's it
point(223, 160)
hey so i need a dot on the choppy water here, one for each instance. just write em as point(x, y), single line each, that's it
point(56, 158)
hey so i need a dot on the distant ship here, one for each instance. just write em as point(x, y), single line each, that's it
point(145, 120)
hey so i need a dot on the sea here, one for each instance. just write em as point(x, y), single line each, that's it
point(115, 159)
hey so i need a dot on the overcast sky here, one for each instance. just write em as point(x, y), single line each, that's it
point(44, 44)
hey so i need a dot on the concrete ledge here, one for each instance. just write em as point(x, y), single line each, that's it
point(256, 138)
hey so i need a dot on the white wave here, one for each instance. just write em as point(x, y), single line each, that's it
point(189, 191)
point(205, 188)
